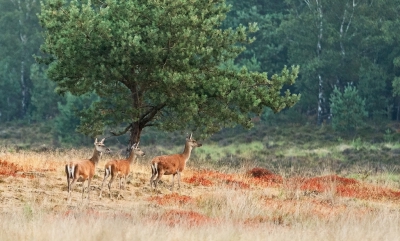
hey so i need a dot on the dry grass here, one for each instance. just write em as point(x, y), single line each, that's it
point(252, 204)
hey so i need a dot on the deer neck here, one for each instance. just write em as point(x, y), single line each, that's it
point(131, 157)
point(186, 152)
point(96, 156)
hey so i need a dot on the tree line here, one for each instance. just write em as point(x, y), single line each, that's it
point(347, 50)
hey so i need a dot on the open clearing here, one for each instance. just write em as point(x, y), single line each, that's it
point(249, 203)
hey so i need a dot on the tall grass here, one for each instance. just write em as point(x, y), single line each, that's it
point(141, 224)
point(234, 207)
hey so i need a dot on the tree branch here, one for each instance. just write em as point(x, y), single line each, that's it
point(121, 132)
point(149, 115)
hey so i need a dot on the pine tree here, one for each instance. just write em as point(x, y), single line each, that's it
point(348, 109)
point(157, 63)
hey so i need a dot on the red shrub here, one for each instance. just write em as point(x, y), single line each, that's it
point(236, 184)
point(198, 180)
point(173, 198)
point(9, 168)
point(321, 184)
point(264, 177)
point(259, 172)
point(188, 218)
point(203, 178)
point(348, 187)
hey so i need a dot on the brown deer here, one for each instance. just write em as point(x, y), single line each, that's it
point(120, 168)
point(172, 164)
point(84, 169)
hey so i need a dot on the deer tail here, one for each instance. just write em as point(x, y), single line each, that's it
point(70, 170)
point(154, 169)
point(107, 171)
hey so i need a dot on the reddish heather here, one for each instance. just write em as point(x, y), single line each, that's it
point(348, 187)
point(188, 218)
point(264, 177)
point(203, 178)
point(9, 168)
point(198, 180)
point(231, 182)
point(259, 172)
point(172, 198)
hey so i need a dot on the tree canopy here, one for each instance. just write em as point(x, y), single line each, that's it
point(156, 63)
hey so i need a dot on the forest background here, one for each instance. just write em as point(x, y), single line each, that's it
point(326, 168)
point(349, 80)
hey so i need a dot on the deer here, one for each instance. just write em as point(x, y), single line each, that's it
point(120, 168)
point(172, 164)
point(84, 169)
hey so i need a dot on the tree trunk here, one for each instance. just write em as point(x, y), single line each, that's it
point(136, 131)
point(23, 90)
point(321, 97)
point(321, 101)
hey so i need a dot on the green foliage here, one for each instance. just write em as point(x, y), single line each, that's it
point(345, 44)
point(396, 86)
point(68, 119)
point(357, 143)
point(348, 109)
point(388, 136)
point(9, 91)
point(44, 99)
point(157, 63)
point(372, 87)
point(20, 38)
point(268, 49)
point(186, 59)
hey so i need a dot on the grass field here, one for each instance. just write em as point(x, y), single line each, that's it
point(247, 202)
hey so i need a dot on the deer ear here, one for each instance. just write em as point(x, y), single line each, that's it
point(190, 137)
point(137, 145)
point(102, 140)
point(95, 141)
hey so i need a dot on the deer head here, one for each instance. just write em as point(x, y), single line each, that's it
point(192, 142)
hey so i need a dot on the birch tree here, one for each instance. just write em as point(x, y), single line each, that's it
point(19, 40)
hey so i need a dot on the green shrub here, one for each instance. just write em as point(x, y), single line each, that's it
point(348, 109)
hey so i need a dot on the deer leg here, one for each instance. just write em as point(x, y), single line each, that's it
point(69, 184)
point(68, 181)
point(109, 183)
point(88, 192)
point(153, 176)
point(172, 186)
point(179, 180)
point(126, 176)
point(158, 179)
point(152, 180)
point(83, 188)
point(106, 175)
point(121, 184)
point(71, 187)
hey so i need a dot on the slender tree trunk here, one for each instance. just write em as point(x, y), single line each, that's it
point(23, 90)
point(321, 101)
point(344, 27)
point(321, 96)
point(25, 11)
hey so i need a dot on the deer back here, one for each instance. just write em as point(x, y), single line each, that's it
point(170, 164)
